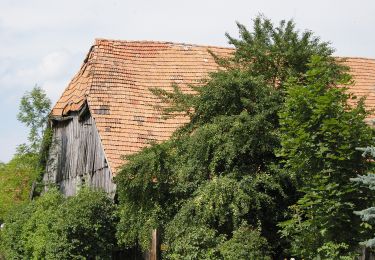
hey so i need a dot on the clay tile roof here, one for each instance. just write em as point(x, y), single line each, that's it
point(363, 73)
point(115, 81)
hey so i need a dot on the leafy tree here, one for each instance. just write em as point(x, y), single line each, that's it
point(34, 109)
point(53, 227)
point(26, 166)
point(219, 174)
point(319, 133)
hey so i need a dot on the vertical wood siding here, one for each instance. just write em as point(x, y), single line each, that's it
point(77, 157)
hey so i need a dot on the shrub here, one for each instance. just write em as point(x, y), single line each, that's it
point(54, 227)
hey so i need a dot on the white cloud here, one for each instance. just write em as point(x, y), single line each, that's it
point(53, 65)
point(53, 72)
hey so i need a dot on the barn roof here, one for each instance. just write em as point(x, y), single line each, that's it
point(115, 81)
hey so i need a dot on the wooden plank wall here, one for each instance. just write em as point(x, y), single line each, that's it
point(77, 157)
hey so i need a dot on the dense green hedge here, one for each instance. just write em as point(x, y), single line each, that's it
point(54, 227)
point(16, 179)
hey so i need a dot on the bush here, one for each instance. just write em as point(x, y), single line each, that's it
point(246, 244)
point(53, 227)
point(16, 178)
point(88, 226)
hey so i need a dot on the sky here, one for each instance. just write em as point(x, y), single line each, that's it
point(44, 42)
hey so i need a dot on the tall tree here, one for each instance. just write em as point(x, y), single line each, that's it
point(319, 133)
point(217, 180)
point(17, 176)
point(34, 109)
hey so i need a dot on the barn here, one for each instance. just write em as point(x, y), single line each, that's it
point(108, 111)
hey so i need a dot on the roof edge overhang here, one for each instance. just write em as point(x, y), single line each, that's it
point(74, 97)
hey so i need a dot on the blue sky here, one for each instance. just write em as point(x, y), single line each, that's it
point(45, 41)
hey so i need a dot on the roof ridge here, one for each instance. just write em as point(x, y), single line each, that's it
point(355, 58)
point(99, 41)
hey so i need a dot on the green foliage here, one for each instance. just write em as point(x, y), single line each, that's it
point(330, 250)
point(217, 208)
point(246, 244)
point(218, 176)
point(368, 181)
point(34, 109)
point(237, 146)
point(143, 194)
point(16, 178)
point(88, 226)
point(45, 145)
point(53, 227)
point(28, 164)
point(25, 235)
point(319, 133)
point(200, 242)
point(276, 52)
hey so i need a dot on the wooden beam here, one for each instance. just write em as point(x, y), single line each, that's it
point(155, 246)
point(61, 118)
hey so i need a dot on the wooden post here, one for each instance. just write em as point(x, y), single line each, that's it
point(155, 246)
point(31, 194)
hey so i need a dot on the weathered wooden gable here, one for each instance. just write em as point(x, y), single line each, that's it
point(77, 156)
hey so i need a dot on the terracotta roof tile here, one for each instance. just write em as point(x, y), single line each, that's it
point(363, 73)
point(116, 78)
